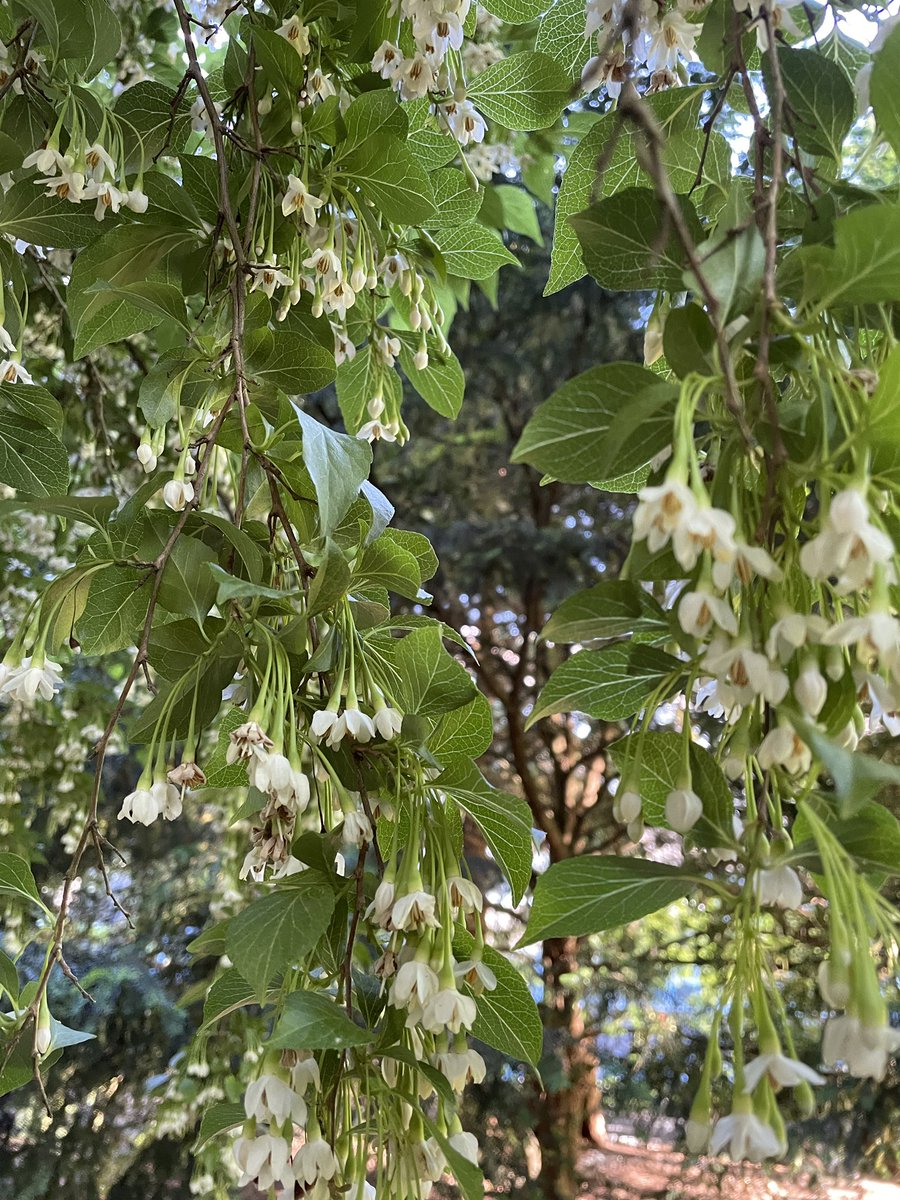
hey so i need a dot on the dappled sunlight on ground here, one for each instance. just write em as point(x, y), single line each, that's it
point(627, 1170)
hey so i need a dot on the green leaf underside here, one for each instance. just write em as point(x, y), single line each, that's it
point(608, 684)
point(312, 1021)
point(589, 895)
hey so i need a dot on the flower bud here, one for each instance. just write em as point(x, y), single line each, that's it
point(811, 689)
point(177, 493)
point(43, 1034)
point(629, 807)
point(835, 663)
point(805, 1099)
point(834, 982)
point(684, 808)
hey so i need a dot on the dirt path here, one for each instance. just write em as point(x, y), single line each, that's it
point(627, 1170)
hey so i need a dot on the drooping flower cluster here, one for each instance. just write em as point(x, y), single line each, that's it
point(786, 640)
point(87, 172)
point(422, 905)
point(639, 36)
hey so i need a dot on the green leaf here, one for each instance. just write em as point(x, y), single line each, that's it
point(187, 587)
point(883, 429)
point(733, 264)
point(464, 732)
point(514, 12)
point(28, 214)
point(288, 360)
point(199, 693)
point(432, 682)
point(17, 1065)
point(34, 404)
point(820, 99)
point(432, 146)
point(311, 1021)
point(883, 89)
point(338, 465)
point(11, 154)
point(455, 200)
point(331, 580)
point(247, 550)
point(504, 819)
point(219, 772)
point(872, 835)
point(688, 340)
point(211, 941)
point(612, 608)
point(32, 460)
point(508, 1019)
point(80, 29)
point(282, 67)
point(508, 207)
point(676, 112)
point(469, 1178)
point(654, 763)
point(359, 380)
point(851, 56)
point(474, 252)
point(162, 300)
point(523, 91)
point(608, 684)
point(629, 483)
point(863, 267)
point(9, 977)
point(16, 879)
point(229, 992)
point(375, 22)
point(94, 510)
point(125, 255)
point(419, 547)
point(178, 379)
point(176, 645)
point(65, 598)
point(386, 172)
point(115, 610)
point(628, 242)
point(716, 43)
point(857, 778)
point(149, 108)
point(279, 929)
point(371, 114)
point(230, 587)
point(386, 564)
point(588, 895)
point(569, 434)
point(219, 1117)
point(442, 383)
point(561, 36)
point(62, 1036)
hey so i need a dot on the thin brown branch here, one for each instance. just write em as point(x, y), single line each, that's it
point(632, 106)
point(196, 73)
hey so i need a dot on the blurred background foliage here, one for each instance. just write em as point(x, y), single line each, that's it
point(623, 1034)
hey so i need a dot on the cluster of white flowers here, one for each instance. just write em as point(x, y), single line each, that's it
point(801, 651)
point(29, 678)
point(639, 35)
point(86, 173)
point(767, 669)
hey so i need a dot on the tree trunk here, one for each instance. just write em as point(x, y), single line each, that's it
point(572, 1101)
